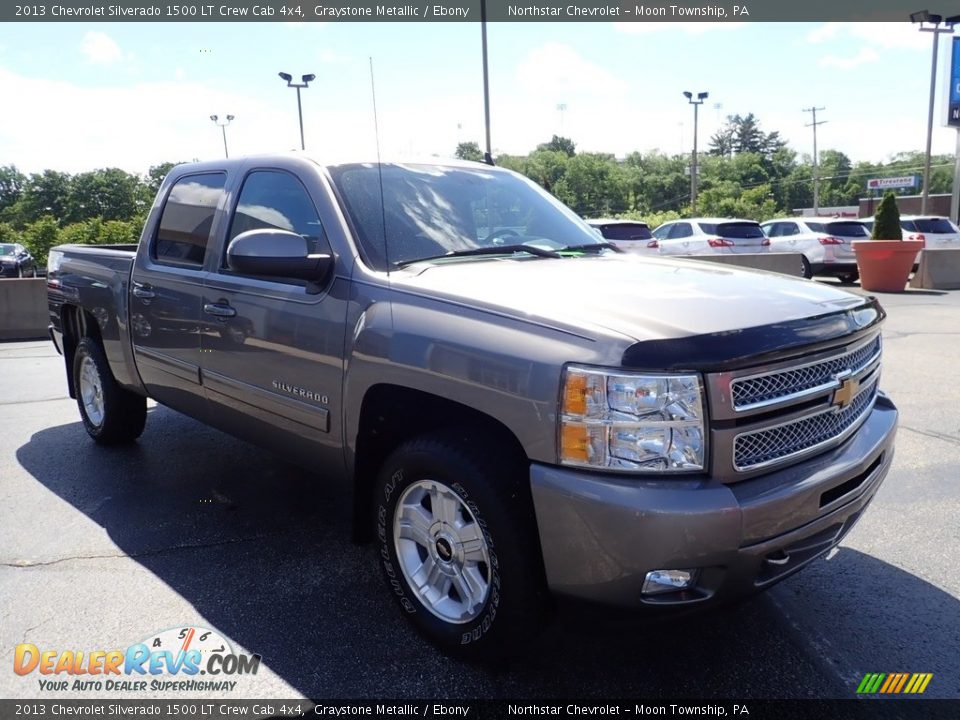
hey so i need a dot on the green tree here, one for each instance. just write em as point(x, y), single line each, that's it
point(111, 194)
point(560, 144)
point(546, 167)
point(41, 235)
point(11, 186)
point(8, 234)
point(593, 185)
point(155, 177)
point(469, 151)
point(44, 194)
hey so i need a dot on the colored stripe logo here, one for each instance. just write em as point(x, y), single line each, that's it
point(894, 683)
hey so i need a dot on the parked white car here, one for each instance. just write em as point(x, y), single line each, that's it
point(937, 232)
point(629, 235)
point(711, 236)
point(824, 243)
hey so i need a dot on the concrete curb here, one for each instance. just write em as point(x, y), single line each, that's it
point(783, 263)
point(23, 309)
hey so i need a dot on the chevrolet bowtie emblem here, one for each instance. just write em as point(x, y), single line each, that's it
point(844, 394)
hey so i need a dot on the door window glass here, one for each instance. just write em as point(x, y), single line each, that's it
point(187, 219)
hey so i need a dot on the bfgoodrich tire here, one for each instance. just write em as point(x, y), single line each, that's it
point(111, 415)
point(458, 545)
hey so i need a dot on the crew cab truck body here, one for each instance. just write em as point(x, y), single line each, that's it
point(517, 409)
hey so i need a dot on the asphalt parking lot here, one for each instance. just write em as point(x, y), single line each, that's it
point(102, 548)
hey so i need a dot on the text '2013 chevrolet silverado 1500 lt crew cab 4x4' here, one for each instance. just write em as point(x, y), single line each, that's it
point(519, 410)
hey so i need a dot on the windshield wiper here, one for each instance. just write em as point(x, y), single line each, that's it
point(492, 250)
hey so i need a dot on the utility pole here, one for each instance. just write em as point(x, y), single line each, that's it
point(816, 159)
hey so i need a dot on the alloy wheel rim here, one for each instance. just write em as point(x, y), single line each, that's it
point(91, 391)
point(442, 551)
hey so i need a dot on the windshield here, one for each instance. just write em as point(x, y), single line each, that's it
point(432, 210)
point(7, 249)
point(733, 229)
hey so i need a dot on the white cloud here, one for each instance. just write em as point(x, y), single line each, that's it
point(555, 70)
point(886, 36)
point(100, 49)
point(866, 55)
point(690, 28)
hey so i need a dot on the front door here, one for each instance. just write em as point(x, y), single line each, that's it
point(272, 349)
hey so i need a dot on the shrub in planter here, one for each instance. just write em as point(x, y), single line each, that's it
point(886, 221)
point(886, 259)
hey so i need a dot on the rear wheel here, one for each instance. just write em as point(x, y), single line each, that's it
point(458, 545)
point(849, 278)
point(807, 270)
point(111, 415)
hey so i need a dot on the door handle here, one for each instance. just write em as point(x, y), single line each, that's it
point(144, 292)
point(222, 311)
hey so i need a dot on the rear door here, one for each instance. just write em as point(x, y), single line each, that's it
point(167, 292)
point(273, 348)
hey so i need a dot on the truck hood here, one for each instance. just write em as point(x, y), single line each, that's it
point(638, 298)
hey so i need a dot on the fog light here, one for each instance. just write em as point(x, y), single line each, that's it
point(664, 581)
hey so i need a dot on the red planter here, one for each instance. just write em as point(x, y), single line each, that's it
point(885, 265)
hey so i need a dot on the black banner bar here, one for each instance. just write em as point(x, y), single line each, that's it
point(454, 11)
point(874, 708)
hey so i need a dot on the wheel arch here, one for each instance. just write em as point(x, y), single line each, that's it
point(77, 324)
point(392, 414)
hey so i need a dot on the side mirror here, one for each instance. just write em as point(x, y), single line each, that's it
point(276, 253)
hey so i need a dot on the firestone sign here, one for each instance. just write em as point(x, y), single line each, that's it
point(905, 181)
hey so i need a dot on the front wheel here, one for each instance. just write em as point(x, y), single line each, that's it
point(458, 545)
point(111, 415)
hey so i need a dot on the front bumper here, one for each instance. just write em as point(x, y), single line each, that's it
point(601, 535)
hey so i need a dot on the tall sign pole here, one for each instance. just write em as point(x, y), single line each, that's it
point(953, 120)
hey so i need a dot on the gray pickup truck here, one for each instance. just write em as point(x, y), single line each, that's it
point(520, 411)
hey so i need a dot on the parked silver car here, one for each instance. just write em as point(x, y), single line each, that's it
point(711, 236)
point(825, 244)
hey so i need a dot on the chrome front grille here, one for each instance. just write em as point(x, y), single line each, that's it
point(802, 436)
point(776, 388)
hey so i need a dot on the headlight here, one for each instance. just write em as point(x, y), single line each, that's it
point(631, 422)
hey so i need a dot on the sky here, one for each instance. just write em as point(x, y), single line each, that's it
point(80, 96)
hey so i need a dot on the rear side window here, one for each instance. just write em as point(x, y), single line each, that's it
point(275, 200)
point(681, 230)
point(934, 225)
point(187, 219)
point(847, 229)
point(624, 231)
point(816, 226)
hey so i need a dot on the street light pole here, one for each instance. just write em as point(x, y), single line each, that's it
point(925, 17)
point(305, 82)
point(223, 127)
point(693, 165)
